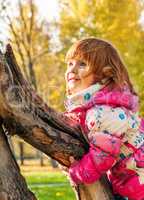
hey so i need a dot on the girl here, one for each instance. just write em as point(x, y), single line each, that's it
point(102, 99)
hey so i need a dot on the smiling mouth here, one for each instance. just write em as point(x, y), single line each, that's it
point(73, 79)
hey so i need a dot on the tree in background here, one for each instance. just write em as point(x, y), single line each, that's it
point(3, 10)
point(30, 38)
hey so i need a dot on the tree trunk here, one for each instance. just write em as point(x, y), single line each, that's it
point(25, 114)
point(12, 184)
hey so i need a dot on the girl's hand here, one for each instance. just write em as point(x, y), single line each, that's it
point(64, 169)
point(72, 160)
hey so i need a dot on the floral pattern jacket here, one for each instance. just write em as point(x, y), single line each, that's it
point(115, 133)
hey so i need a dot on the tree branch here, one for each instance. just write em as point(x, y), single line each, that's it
point(18, 46)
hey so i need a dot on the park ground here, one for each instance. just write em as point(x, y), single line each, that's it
point(47, 183)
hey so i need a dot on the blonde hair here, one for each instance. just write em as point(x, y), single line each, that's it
point(104, 61)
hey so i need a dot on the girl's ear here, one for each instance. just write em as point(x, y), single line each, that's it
point(108, 72)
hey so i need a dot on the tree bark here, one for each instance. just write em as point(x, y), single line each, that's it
point(12, 183)
point(25, 114)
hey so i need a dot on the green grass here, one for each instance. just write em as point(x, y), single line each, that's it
point(49, 185)
point(53, 193)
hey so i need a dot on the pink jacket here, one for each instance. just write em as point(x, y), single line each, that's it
point(116, 136)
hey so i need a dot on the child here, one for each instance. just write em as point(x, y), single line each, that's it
point(102, 99)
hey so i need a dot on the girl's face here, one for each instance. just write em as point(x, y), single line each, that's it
point(78, 76)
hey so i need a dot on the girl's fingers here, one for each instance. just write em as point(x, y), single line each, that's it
point(71, 159)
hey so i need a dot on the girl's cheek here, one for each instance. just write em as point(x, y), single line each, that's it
point(84, 72)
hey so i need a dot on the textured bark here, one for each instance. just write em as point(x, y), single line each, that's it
point(24, 113)
point(12, 183)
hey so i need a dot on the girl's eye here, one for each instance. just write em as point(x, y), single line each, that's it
point(70, 63)
point(82, 65)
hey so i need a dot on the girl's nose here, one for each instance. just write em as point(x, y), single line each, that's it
point(74, 68)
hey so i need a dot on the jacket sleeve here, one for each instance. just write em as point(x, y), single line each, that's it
point(106, 128)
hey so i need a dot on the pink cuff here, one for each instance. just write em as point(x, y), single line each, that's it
point(84, 171)
point(91, 166)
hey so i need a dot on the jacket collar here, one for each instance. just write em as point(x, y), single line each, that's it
point(100, 94)
point(81, 98)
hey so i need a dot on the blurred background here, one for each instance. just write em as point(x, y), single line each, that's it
point(40, 32)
